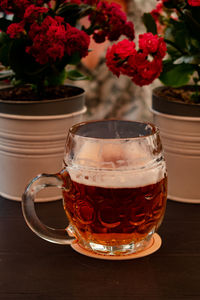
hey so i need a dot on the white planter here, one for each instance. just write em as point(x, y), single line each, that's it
point(30, 145)
point(181, 142)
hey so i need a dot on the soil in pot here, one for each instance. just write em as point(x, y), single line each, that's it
point(184, 94)
point(176, 101)
point(25, 93)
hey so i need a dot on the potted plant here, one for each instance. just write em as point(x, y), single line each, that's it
point(176, 104)
point(42, 43)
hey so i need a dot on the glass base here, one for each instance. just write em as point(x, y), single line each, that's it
point(154, 245)
point(126, 249)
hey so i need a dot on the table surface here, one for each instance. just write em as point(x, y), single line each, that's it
point(31, 268)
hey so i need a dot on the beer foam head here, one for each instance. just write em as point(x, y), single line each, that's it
point(111, 155)
point(110, 164)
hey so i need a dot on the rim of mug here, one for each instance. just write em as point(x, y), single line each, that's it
point(74, 128)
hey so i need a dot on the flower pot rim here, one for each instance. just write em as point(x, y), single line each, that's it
point(43, 117)
point(46, 107)
point(175, 117)
point(163, 105)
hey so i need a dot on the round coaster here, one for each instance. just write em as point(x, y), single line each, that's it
point(154, 246)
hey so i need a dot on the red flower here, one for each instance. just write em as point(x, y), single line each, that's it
point(162, 49)
point(112, 21)
point(194, 2)
point(118, 55)
point(122, 58)
point(134, 62)
point(91, 2)
point(129, 31)
point(152, 44)
point(147, 72)
point(54, 38)
point(157, 11)
point(77, 41)
point(56, 51)
point(99, 36)
point(73, 1)
point(33, 12)
point(18, 7)
point(3, 5)
point(15, 30)
point(48, 40)
point(148, 42)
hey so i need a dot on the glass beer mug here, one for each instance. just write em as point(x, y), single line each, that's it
point(114, 187)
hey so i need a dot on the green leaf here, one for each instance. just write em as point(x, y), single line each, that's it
point(55, 77)
point(76, 75)
point(178, 34)
point(74, 59)
point(149, 23)
point(176, 75)
point(188, 59)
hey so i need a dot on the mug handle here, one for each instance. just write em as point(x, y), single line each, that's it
point(60, 180)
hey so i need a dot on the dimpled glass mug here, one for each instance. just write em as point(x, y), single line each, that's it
point(114, 186)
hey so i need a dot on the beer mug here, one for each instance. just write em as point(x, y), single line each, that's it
point(114, 187)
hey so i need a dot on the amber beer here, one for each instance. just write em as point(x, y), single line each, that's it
point(114, 185)
point(115, 216)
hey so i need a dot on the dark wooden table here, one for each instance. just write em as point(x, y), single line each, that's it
point(33, 269)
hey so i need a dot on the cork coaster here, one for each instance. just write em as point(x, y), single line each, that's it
point(153, 247)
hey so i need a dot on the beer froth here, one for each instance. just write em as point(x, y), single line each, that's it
point(115, 165)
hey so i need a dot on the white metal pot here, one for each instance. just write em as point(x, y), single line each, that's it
point(34, 144)
point(180, 134)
